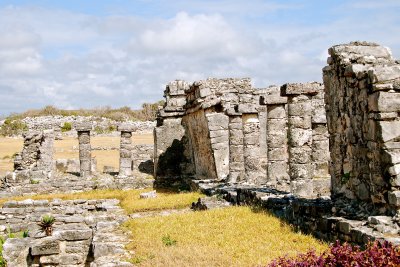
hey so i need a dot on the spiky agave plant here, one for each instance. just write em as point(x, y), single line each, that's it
point(47, 224)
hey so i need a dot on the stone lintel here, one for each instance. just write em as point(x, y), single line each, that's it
point(272, 100)
point(311, 88)
point(126, 127)
point(83, 126)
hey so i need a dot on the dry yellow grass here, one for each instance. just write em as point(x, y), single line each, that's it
point(64, 149)
point(233, 236)
point(8, 147)
point(130, 200)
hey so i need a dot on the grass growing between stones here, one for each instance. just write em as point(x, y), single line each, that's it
point(234, 236)
point(130, 200)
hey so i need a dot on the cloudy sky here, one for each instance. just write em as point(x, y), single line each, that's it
point(92, 53)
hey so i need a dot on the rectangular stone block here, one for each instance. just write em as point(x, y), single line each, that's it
point(278, 154)
point(276, 126)
point(303, 122)
point(300, 155)
point(300, 171)
point(276, 140)
point(300, 109)
point(301, 88)
point(276, 111)
point(300, 137)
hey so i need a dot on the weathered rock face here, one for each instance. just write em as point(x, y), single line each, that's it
point(228, 131)
point(36, 159)
point(85, 151)
point(85, 233)
point(362, 92)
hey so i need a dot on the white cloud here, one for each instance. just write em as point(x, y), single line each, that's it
point(50, 56)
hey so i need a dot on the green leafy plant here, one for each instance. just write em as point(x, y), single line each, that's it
point(25, 233)
point(33, 181)
point(168, 241)
point(66, 127)
point(345, 178)
point(47, 224)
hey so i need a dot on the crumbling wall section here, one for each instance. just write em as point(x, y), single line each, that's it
point(362, 84)
point(239, 134)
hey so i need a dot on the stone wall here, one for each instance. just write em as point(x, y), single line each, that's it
point(56, 122)
point(362, 86)
point(85, 233)
point(230, 132)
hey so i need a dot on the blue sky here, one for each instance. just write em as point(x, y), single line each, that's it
point(84, 54)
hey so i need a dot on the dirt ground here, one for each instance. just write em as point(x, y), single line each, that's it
point(68, 149)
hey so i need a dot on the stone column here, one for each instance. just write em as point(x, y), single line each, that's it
point(125, 151)
point(276, 136)
point(300, 133)
point(85, 157)
point(251, 149)
point(236, 160)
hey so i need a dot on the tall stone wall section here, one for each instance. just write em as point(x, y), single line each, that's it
point(362, 92)
point(230, 132)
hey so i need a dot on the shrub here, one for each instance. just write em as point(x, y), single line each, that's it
point(378, 254)
point(13, 127)
point(66, 127)
point(47, 224)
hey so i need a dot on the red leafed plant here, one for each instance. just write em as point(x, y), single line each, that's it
point(376, 254)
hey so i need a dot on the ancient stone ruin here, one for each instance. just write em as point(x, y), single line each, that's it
point(36, 171)
point(362, 84)
point(225, 130)
point(323, 157)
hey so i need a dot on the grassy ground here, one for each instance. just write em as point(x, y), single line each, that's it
point(130, 200)
point(64, 149)
point(234, 236)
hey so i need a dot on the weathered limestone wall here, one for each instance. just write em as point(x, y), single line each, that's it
point(85, 232)
point(237, 134)
point(362, 84)
point(172, 158)
point(125, 150)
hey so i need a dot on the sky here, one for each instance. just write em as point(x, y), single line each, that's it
point(95, 53)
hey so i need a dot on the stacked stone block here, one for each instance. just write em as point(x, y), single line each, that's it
point(239, 134)
point(125, 151)
point(277, 167)
point(85, 232)
point(85, 152)
point(303, 116)
point(362, 85)
point(236, 158)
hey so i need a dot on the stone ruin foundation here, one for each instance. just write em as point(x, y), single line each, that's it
point(36, 172)
point(225, 130)
point(323, 157)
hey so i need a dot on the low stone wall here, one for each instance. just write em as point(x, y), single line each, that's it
point(85, 232)
point(56, 122)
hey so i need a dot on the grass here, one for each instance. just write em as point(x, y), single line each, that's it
point(130, 200)
point(64, 149)
point(234, 236)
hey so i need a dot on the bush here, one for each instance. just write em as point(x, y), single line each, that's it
point(377, 254)
point(13, 127)
point(66, 127)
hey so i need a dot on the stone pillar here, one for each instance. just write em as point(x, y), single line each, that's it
point(85, 157)
point(276, 135)
point(251, 149)
point(236, 159)
point(125, 151)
